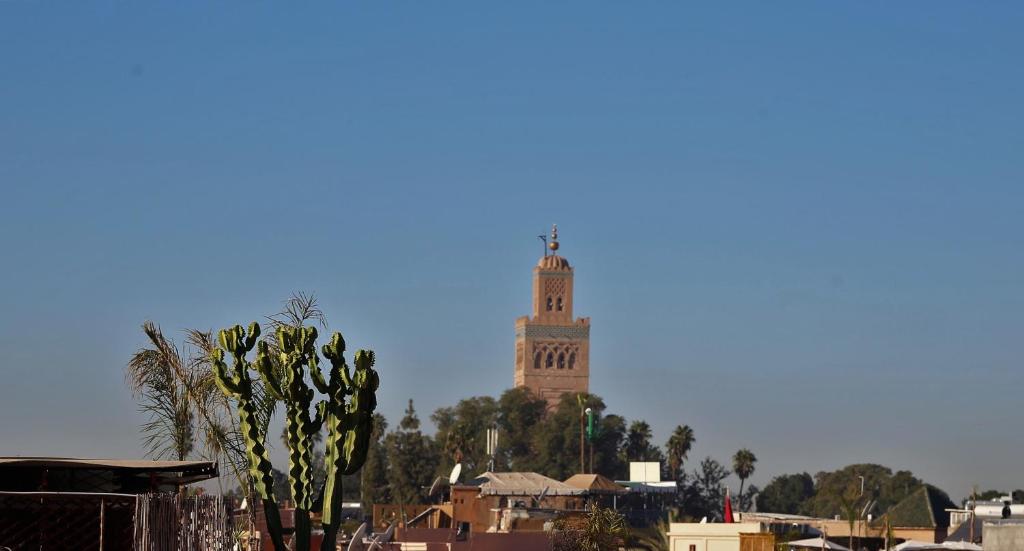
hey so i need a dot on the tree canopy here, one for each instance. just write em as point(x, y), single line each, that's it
point(412, 460)
point(786, 494)
point(879, 483)
point(461, 432)
point(838, 492)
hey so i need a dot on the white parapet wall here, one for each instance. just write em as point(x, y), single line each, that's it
point(1004, 536)
point(689, 536)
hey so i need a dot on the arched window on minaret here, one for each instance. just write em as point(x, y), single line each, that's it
point(561, 360)
point(572, 360)
point(550, 360)
point(536, 360)
point(549, 304)
point(559, 304)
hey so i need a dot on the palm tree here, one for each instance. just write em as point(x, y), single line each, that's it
point(178, 389)
point(849, 506)
point(638, 443)
point(161, 375)
point(158, 378)
point(678, 447)
point(743, 466)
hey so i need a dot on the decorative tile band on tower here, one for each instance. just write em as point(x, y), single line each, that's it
point(552, 349)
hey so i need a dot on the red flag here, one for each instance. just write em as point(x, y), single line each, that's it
point(728, 508)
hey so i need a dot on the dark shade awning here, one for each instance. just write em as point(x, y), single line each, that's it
point(100, 475)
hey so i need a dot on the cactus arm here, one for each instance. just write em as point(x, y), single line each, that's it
point(239, 386)
point(265, 368)
point(334, 458)
point(349, 429)
point(321, 413)
point(346, 378)
point(316, 375)
point(254, 334)
point(360, 411)
point(228, 385)
point(317, 422)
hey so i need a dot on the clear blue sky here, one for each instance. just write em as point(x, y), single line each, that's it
point(796, 226)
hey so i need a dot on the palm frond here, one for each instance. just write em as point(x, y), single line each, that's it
point(152, 375)
point(177, 390)
point(297, 310)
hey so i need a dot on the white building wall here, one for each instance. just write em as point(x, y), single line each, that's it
point(686, 536)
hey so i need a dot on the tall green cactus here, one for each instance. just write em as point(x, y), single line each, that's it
point(297, 345)
point(237, 384)
point(349, 426)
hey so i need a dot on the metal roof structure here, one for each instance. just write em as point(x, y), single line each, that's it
point(100, 475)
point(522, 484)
point(665, 487)
point(72, 462)
point(595, 484)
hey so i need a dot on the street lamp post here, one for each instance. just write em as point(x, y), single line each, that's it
point(582, 466)
point(590, 435)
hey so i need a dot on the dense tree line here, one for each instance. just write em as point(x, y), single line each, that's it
point(403, 462)
point(830, 493)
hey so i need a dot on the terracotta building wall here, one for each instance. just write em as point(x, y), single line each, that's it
point(552, 350)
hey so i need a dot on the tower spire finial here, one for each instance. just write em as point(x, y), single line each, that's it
point(553, 245)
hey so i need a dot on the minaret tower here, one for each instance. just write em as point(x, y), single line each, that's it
point(553, 349)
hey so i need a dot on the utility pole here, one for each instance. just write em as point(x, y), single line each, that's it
point(590, 435)
point(582, 466)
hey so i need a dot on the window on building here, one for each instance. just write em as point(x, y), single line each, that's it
point(550, 360)
point(536, 360)
point(549, 304)
point(561, 361)
point(559, 304)
point(572, 360)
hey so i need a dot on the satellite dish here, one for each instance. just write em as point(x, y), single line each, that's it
point(456, 471)
point(356, 543)
point(383, 538)
point(435, 487)
point(543, 493)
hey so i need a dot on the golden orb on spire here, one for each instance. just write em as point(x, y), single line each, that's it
point(553, 245)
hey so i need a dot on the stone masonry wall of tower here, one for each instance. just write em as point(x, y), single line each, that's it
point(552, 349)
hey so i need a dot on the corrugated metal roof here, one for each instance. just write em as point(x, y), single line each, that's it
point(132, 464)
point(522, 484)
